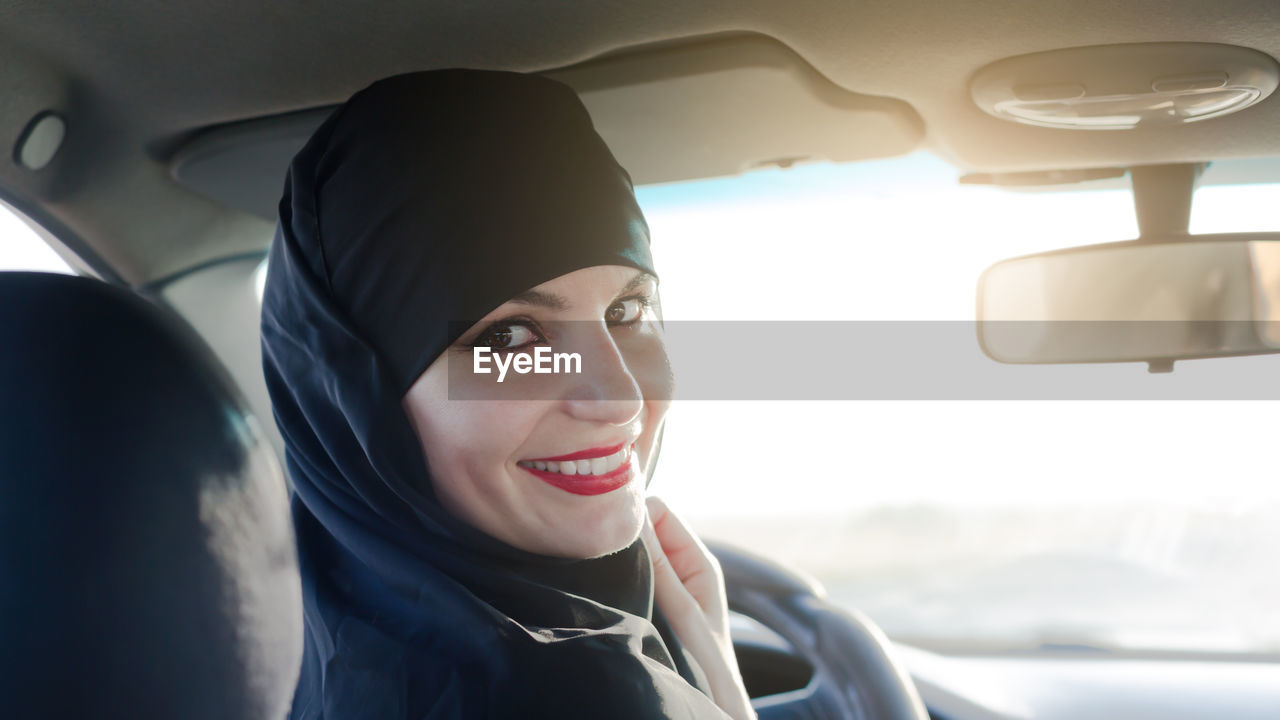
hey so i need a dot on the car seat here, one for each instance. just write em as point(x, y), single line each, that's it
point(147, 560)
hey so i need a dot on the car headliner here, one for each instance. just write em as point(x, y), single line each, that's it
point(140, 82)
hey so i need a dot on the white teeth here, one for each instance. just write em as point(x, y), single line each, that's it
point(594, 466)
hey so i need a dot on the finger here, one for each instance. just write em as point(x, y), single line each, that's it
point(696, 567)
point(690, 625)
point(687, 553)
point(668, 590)
point(682, 608)
point(699, 592)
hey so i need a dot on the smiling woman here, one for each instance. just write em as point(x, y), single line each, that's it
point(484, 453)
point(470, 547)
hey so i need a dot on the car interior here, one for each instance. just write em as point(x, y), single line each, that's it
point(148, 149)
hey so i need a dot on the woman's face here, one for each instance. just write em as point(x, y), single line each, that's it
point(552, 463)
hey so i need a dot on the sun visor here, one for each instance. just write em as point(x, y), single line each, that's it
point(669, 113)
point(725, 107)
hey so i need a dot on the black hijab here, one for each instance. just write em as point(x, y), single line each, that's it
point(428, 199)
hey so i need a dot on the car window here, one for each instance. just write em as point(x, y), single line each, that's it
point(22, 249)
point(966, 525)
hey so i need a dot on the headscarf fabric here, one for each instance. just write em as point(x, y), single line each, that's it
point(428, 199)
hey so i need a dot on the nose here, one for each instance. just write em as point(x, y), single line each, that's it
point(607, 391)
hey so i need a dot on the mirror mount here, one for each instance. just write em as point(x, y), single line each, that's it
point(1162, 198)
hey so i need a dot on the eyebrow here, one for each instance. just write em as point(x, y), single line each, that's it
point(558, 302)
point(639, 279)
point(541, 299)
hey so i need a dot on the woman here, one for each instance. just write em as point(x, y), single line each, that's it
point(455, 561)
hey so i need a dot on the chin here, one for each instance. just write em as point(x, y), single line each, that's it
point(604, 531)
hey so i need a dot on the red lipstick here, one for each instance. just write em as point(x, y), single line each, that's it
point(582, 454)
point(585, 484)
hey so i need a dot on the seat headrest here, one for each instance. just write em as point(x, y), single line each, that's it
point(147, 560)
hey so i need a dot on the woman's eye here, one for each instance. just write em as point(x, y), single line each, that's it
point(625, 312)
point(507, 336)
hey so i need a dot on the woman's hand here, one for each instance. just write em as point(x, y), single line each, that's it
point(689, 588)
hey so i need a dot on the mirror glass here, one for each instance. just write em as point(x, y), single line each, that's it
point(1184, 297)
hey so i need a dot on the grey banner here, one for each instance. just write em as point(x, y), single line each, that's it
point(873, 360)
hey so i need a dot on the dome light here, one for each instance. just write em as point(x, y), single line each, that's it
point(40, 140)
point(1120, 87)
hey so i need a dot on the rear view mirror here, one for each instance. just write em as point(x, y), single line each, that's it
point(1155, 300)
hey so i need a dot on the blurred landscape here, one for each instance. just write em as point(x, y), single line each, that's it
point(957, 579)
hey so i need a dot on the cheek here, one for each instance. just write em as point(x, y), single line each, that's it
point(466, 450)
point(655, 415)
point(473, 440)
point(648, 362)
point(468, 442)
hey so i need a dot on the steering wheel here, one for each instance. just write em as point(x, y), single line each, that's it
point(850, 668)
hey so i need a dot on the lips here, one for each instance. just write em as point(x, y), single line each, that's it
point(588, 472)
point(582, 454)
point(596, 461)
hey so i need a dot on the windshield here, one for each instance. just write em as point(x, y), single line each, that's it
point(21, 247)
point(958, 525)
point(966, 525)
